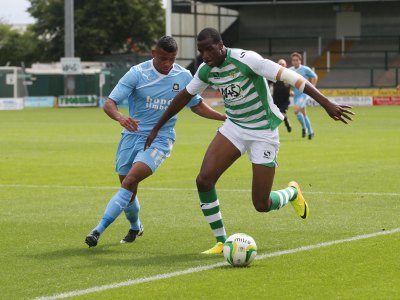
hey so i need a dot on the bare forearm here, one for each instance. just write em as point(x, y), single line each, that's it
point(335, 111)
point(314, 93)
point(176, 106)
point(111, 109)
point(204, 110)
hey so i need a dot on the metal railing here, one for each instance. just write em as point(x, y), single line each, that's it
point(361, 77)
point(394, 38)
point(272, 46)
point(358, 59)
point(365, 66)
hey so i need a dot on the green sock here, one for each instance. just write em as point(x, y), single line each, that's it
point(282, 197)
point(209, 205)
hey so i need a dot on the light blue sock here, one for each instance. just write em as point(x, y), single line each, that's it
point(308, 125)
point(116, 205)
point(132, 214)
point(301, 119)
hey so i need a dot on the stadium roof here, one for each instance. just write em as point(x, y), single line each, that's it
point(277, 2)
point(236, 4)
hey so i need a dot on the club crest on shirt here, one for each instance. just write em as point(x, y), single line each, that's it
point(175, 87)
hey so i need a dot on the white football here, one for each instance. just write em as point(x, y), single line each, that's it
point(240, 250)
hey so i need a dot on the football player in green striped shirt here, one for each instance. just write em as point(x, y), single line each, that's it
point(251, 126)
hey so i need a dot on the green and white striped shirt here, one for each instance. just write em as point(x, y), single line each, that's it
point(241, 79)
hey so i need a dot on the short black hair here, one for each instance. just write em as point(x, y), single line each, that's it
point(167, 43)
point(209, 32)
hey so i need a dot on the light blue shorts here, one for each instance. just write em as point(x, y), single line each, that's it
point(130, 150)
point(301, 100)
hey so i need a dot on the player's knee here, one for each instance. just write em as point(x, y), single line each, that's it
point(260, 206)
point(204, 183)
point(130, 182)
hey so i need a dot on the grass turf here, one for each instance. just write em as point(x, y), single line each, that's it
point(56, 177)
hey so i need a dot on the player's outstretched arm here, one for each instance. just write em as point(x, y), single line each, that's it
point(111, 109)
point(176, 106)
point(204, 110)
point(335, 111)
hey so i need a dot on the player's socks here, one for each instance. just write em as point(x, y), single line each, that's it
point(209, 205)
point(132, 214)
point(308, 125)
point(116, 205)
point(282, 197)
point(301, 119)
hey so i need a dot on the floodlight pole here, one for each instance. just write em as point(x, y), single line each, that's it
point(168, 18)
point(194, 40)
point(15, 88)
point(69, 43)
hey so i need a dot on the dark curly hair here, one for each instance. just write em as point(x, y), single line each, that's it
point(167, 43)
point(209, 32)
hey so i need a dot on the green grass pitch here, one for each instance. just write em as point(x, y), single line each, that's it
point(57, 175)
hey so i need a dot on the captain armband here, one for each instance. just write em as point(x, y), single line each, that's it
point(292, 78)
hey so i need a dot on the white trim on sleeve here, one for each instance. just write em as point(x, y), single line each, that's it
point(196, 86)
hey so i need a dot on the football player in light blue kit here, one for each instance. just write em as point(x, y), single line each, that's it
point(150, 88)
point(300, 99)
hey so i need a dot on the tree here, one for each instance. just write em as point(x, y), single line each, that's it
point(17, 48)
point(101, 26)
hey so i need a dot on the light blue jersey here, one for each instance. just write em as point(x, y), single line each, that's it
point(307, 73)
point(150, 93)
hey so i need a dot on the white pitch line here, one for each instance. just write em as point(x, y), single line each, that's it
point(35, 186)
point(209, 267)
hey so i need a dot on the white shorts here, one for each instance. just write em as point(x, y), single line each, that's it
point(262, 146)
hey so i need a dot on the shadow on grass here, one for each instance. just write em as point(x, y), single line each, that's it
point(117, 255)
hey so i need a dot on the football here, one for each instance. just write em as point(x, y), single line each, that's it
point(240, 250)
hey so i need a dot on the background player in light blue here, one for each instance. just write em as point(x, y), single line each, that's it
point(300, 99)
point(150, 88)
